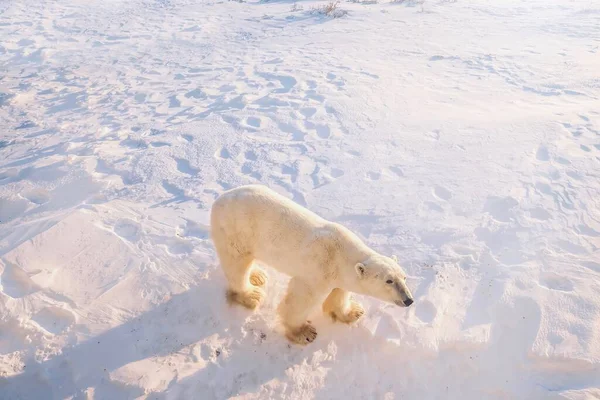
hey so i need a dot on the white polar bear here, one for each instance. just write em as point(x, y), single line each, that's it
point(325, 260)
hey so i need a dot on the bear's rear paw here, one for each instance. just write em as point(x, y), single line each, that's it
point(258, 277)
point(249, 299)
point(302, 335)
point(354, 313)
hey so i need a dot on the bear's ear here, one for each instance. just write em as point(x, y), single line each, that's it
point(360, 270)
point(395, 258)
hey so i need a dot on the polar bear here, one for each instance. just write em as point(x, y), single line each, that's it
point(325, 260)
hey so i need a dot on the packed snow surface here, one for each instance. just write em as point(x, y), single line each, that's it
point(462, 136)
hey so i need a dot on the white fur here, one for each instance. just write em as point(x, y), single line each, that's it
point(325, 260)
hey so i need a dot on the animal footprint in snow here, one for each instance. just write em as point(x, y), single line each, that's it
point(37, 196)
point(128, 229)
point(54, 319)
point(223, 153)
point(396, 170)
point(308, 111)
point(247, 169)
point(442, 193)
point(187, 138)
point(433, 206)
point(177, 246)
point(374, 176)
point(554, 281)
point(333, 78)
point(542, 154)
point(323, 131)
point(254, 122)
point(500, 208)
point(184, 167)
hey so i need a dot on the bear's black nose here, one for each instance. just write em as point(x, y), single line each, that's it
point(408, 302)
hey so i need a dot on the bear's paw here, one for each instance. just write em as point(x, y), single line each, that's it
point(355, 312)
point(250, 299)
point(258, 277)
point(302, 335)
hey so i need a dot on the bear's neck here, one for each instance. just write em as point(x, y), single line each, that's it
point(355, 251)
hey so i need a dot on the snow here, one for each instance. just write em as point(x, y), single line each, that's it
point(463, 137)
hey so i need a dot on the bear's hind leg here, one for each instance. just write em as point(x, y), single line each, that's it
point(237, 273)
point(340, 307)
point(300, 299)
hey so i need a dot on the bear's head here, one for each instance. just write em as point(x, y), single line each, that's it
point(381, 277)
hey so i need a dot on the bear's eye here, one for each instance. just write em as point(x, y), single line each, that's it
point(389, 281)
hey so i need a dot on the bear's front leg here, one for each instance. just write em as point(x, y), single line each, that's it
point(300, 299)
point(340, 307)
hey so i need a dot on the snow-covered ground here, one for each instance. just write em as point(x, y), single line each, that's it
point(463, 137)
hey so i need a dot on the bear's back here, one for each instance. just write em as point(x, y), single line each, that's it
point(270, 205)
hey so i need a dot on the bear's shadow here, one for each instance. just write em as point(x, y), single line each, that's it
point(173, 326)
